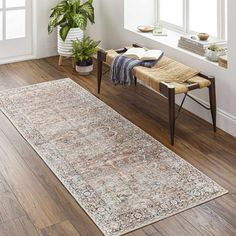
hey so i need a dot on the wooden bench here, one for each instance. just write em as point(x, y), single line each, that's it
point(168, 90)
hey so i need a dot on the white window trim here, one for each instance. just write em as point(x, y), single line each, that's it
point(221, 19)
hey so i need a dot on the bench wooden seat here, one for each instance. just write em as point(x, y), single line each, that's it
point(168, 78)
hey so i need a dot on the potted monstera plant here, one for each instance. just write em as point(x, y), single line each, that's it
point(83, 52)
point(71, 18)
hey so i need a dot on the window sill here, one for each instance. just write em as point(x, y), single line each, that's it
point(171, 40)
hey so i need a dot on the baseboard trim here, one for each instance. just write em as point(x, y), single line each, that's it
point(16, 59)
point(225, 121)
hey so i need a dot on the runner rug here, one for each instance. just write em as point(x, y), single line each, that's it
point(122, 177)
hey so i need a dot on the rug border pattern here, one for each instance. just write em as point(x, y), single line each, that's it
point(68, 186)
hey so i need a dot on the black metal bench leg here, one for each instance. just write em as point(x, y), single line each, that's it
point(212, 97)
point(99, 70)
point(171, 101)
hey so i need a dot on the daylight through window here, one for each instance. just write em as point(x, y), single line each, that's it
point(191, 16)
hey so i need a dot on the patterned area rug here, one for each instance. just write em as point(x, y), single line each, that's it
point(122, 177)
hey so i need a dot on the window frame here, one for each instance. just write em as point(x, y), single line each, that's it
point(4, 9)
point(221, 19)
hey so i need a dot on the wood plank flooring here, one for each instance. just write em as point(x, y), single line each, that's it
point(33, 202)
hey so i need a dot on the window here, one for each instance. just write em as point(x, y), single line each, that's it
point(12, 19)
point(191, 16)
point(15, 28)
point(173, 14)
point(15, 3)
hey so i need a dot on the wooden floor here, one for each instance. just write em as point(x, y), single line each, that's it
point(34, 202)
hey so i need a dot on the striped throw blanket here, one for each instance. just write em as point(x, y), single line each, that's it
point(121, 69)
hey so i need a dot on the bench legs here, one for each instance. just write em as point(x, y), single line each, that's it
point(212, 98)
point(100, 58)
point(171, 103)
point(168, 92)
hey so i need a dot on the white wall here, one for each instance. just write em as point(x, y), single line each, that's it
point(141, 14)
point(109, 28)
point(44, 44)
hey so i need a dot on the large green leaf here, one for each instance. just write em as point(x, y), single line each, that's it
point(53, 12)
point(64, 32)
point(54, 22)
point(88, 9)
point(75, 3)
point(60, 19)
point(80, 21)
point(50, 28)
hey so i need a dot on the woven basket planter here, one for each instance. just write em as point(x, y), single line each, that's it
point(65, 48)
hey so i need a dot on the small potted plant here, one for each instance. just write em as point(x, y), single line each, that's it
point(83, 52)
point(71, 18)
point(214, 51)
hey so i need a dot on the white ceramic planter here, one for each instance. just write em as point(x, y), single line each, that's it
point(65, 48)
point(84, 70)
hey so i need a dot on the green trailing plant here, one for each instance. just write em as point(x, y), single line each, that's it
point(83, 50)
point(71, 14)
